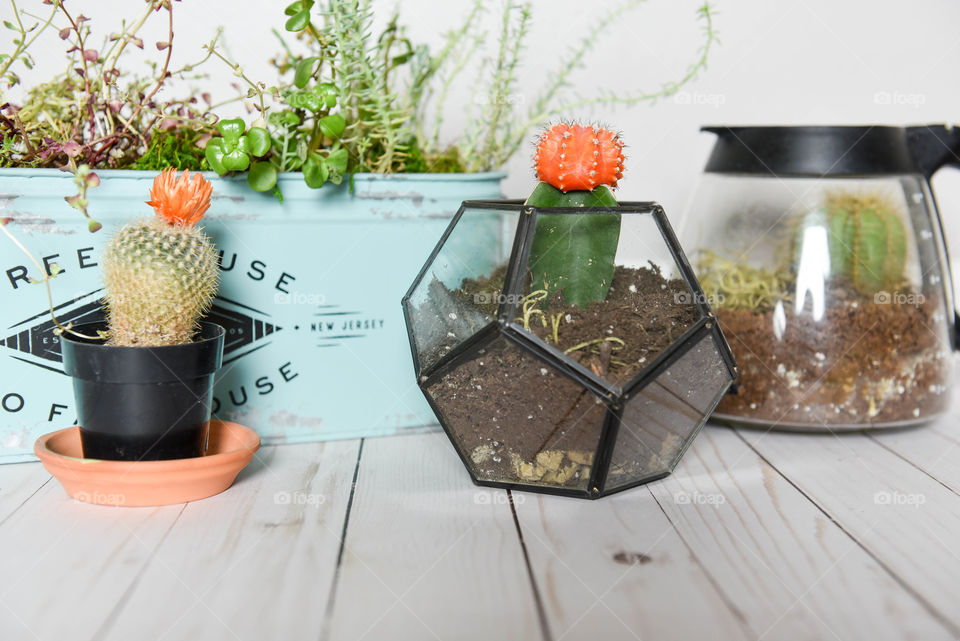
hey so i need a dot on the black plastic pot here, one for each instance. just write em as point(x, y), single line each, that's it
point(143, 403)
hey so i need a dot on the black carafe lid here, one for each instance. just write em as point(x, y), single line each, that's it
point(826, 150)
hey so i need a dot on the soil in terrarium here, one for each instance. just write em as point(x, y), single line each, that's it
point(865, 362)
point(518, 419)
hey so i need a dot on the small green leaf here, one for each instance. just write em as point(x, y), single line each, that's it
point(284, 119)
point(328, 93)
point(299, 21)
point(237, 160)
point(303, 100)
point(304, 71)
point(231, 130)
point(93, 226)
point(299, 5)
point(258, 141)
point(337, 161)
point(214, 155)
point(9, 25)
point(262, 176)
point(332, 126)
point(315, 171)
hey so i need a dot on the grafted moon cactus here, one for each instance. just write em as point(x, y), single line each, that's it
point(866, 237)
point(161, 273)
point(577, 165)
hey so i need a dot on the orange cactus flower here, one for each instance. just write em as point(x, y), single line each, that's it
point(579, 157)
point(180, 201)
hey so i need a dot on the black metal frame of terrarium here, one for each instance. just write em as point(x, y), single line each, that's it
point(615, 397)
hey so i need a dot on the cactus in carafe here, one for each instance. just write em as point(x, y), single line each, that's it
point(161, 273)
point(866, 237)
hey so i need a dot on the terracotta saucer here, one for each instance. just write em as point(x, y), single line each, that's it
point(146, 483)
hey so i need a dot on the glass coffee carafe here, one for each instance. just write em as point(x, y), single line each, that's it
point(821, 251)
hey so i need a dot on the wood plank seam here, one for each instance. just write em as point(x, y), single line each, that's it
point(799, 599)
point(933, 611)
point(331, 599)
point(537, 600)
point(913, 464)
point(115, 611)
point(24, 501)
point(717, 586)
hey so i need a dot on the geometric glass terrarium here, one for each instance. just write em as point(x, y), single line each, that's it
point(538, 394)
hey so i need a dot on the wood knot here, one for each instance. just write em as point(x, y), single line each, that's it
point(632, 558)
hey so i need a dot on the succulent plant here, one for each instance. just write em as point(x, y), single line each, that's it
point(161, 273)
point(866, 237)
point(577, 165)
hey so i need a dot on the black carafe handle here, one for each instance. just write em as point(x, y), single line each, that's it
point(934, 147)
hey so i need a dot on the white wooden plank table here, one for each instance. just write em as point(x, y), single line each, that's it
point(755, 536)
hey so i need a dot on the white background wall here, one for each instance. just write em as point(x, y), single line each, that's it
point(780, 62)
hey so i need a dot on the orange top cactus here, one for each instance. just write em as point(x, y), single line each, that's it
point(180, 201)
point(161, 273)
point(579, 157)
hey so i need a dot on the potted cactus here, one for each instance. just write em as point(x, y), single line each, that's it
point(143, 379)
point(572, 352)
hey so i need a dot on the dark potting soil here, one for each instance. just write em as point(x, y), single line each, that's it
point(518, 419)
point(865, 363)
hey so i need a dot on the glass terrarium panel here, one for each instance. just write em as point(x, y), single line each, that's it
point(613, 308)
point(517, 419)
point(832, 296)
point(659, 420)
point(461, 289)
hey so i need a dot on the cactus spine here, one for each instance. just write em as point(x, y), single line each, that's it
point(867, 240)
point(161, 273)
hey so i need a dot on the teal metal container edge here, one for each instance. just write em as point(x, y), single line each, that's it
point(316, 349)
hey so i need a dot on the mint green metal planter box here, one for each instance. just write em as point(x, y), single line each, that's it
point(316, 347)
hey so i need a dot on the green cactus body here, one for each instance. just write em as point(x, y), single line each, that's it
point(159, 280)
point(866, 238)
point(161, 274)
point(574, 253)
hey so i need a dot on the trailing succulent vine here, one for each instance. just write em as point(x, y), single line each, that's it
point(359, 103)
point(348, 97)
point(92, 113)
